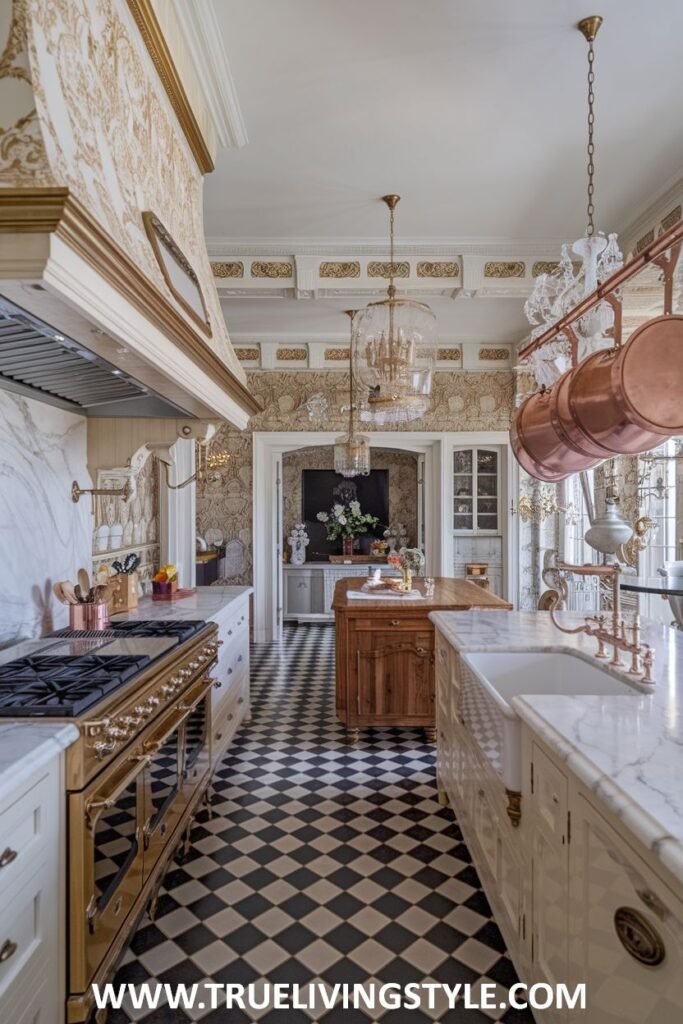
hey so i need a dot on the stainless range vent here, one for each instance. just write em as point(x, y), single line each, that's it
point(39, 362)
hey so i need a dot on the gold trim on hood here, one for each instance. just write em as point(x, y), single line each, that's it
point(56, 210)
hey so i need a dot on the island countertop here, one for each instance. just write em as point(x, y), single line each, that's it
point(25, 747)
point(451, 594)
point(204, 603)
point(628, 749)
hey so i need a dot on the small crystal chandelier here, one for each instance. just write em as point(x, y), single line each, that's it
point(556, 293)
point(393, 351)
point(352, 450)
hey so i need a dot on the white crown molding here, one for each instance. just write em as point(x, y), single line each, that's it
point(204, 41)
point(670, 196)
point(223, 247)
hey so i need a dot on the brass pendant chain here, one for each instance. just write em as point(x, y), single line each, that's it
point(590, 209)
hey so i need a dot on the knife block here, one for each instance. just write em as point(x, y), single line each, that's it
point(124, 592)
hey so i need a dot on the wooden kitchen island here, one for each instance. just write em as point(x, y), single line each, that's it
point(385, 652)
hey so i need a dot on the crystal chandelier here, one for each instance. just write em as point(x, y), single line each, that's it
point(393, 351)
point(352, 450)
point(556, 293)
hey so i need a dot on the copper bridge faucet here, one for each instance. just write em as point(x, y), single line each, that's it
point(642, 655)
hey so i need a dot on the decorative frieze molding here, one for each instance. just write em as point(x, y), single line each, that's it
point(224, 270)
point(504, 269)
point(381, 268)
point(321, 354)
point(438, 268)
point(271, 270)
point(336, 269)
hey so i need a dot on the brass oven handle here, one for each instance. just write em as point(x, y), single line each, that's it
point(93, 807)
point(196, 700)
point(7, 950)
point(7, 856)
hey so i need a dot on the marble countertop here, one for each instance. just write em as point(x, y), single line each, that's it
point(205, 603)
point(627, 749)
point(25, 748)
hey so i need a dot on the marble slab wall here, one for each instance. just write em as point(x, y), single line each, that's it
point(44, 536)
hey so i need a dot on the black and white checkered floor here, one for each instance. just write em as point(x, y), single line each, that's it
point(322, 862)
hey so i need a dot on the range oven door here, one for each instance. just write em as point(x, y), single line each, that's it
point(105, 861)
point(179, 760)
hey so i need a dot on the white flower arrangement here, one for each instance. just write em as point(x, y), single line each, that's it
point(347, 521)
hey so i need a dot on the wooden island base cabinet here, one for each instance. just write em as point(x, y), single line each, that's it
point(385, 652)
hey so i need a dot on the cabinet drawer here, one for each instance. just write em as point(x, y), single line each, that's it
point(397, 622)
point(232, 664)
point(237, 624)
point(24, 828)
point(23, 926)
point(228, 718)
point(34, 1004)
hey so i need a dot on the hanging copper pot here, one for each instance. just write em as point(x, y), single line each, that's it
point(539, 447)
point(628, 400)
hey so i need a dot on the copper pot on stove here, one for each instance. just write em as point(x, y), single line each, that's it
point(627, 400)
point(540, 445)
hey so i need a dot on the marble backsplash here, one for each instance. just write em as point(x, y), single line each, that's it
point(44, 536)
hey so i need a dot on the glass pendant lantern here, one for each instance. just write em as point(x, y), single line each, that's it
point(352, 450)
point(393, 351)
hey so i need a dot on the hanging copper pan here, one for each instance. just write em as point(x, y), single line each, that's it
point(538, 447)
point(628, 400)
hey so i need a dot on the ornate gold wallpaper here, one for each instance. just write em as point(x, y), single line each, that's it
point(108, 133)
point(461, 401)
point(402, 468)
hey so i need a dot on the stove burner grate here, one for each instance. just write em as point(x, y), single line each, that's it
point(40, 685)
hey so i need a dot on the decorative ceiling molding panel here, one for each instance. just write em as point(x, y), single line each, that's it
point(263, 268)
point(332, 268)
point(379, 268)
point(449, 355)
point(228, 269)
point(645, 240)
point(494, 355)
point(425, 268)
point(248, 355)
point(337, 355)
point(671, 218)
point(544, 267)
point(500, 269)
point(292, 355)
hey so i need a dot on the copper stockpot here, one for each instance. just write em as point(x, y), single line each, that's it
point(628, 400)
point(538, 442)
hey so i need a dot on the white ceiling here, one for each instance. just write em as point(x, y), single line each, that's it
point(474, 111)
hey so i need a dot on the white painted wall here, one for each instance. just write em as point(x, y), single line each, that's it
point(44, 536)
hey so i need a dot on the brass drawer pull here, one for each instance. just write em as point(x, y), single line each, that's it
point(7, 857)
point(240, 700)
point(217, 685)
point(7, 950)
point(638, 937)
point(395, 622)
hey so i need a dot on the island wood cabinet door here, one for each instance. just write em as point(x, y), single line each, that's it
point(393, 677)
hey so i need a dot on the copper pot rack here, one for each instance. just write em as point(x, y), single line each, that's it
point(663, 252)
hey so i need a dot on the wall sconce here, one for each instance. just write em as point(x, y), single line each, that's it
point(126, 492)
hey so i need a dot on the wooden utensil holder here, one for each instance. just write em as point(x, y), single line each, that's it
point(124, 592)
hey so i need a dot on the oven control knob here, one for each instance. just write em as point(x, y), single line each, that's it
point(152, 702)
point(142, 710)
point(194, 665)
point(167, 689)
point(185, 673)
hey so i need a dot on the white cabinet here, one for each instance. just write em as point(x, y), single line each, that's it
point(625, 925)
point(32, 928)
point(478, 515)
point(230, 696)
point(309, 588)
point(549, 874)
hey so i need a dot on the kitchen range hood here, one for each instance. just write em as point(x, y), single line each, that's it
point(42, 363)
